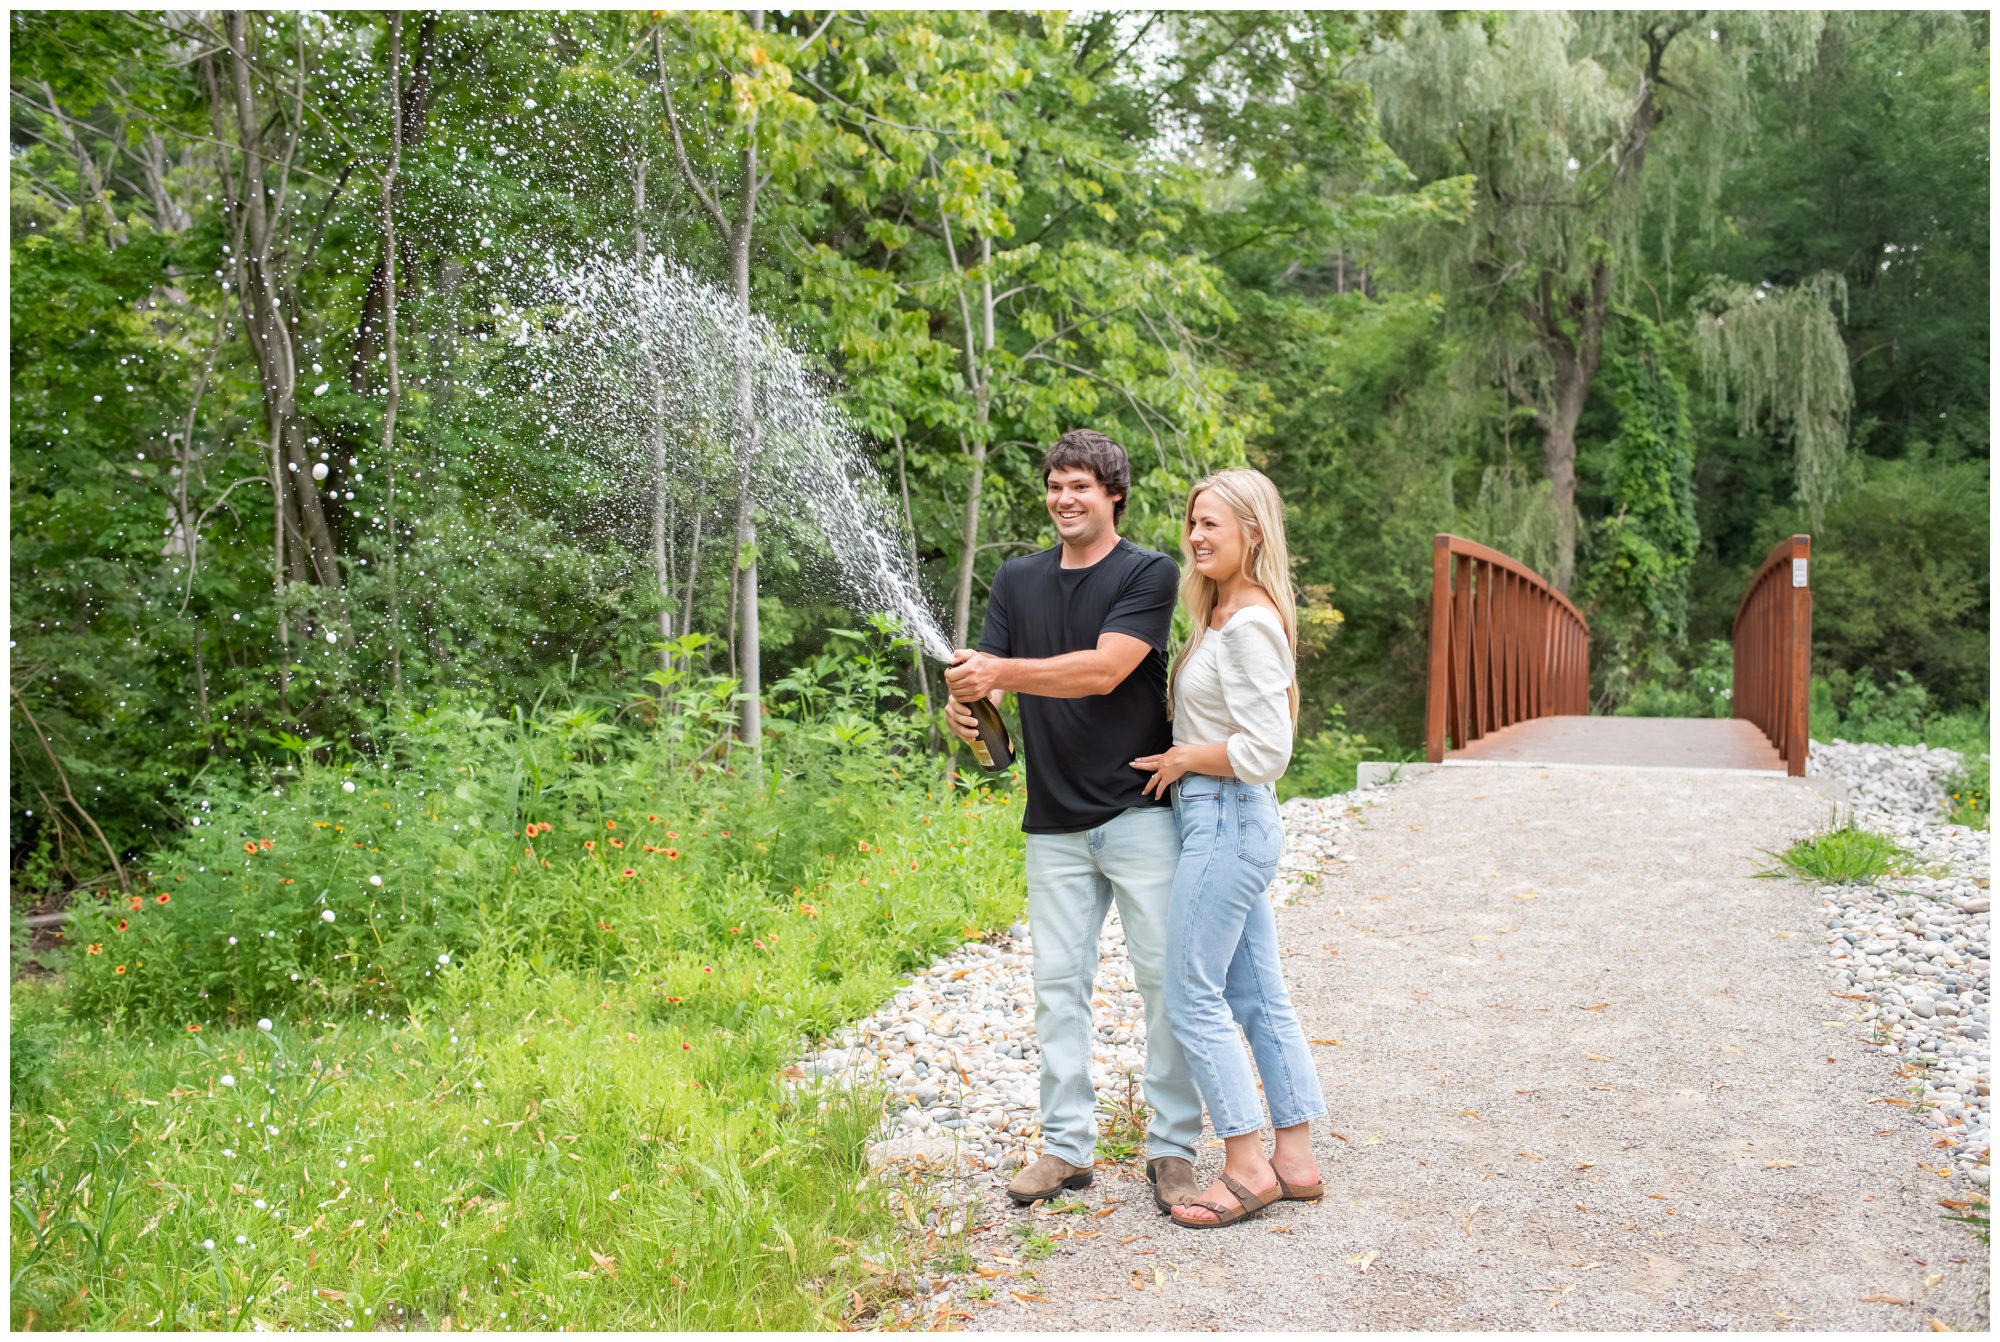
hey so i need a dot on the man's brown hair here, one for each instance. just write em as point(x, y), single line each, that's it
point(1089, 450)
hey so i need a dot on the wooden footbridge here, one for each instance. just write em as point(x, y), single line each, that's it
point(1510, 673)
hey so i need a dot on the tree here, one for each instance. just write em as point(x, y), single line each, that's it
point(1556, 116)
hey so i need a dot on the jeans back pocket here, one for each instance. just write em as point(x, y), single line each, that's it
point(1260, 835)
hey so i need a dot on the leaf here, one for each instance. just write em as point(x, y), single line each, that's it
point(1597, 1057)
point(1029, 1296)
point(1529, 1155)
point(1364, 1261)
point(1781, 1164)
point(1880, 1299)
point(1334, 1042)
point(606, 1263)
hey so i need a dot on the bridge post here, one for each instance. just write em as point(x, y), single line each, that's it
point(1440, 672)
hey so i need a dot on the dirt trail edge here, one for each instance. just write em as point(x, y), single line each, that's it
point(1590, 1074)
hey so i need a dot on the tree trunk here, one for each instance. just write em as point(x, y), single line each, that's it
point(260, 298)
point(968, 543)
point(394, 389)
point(412, 113)
point(663, 561)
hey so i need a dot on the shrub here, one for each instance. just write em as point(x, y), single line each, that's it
point(1324, 763)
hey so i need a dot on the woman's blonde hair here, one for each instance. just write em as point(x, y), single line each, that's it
point(1254, 499)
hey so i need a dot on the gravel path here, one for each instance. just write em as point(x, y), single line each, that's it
point(1589, 1074)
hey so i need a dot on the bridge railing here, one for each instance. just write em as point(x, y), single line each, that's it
point(1505, 647)
point(1772, 638)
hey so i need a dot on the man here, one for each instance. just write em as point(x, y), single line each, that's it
point(1080, 633)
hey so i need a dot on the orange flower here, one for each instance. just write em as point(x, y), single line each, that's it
point(673, 999)
point(249, 846)
point(686, 1045)
point(758, 944)
point(673, 834)
point(119, 970)
point(606, 926)
point(927, 820)
point(708, 969)
point(735, 931)
point(611, 824)
point(193, 1028)
point(134, 902)
point(673, 854)
point(652, 820)
point(162, 898)
point(529, 851)
point(122, 924)
point(630, 872)
point(96, 948)
point(618, 843)
point(590, 845)
point(725, 834)
point(264, 844)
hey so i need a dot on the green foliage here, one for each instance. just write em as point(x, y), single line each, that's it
point(1917, 530)
point(1324, 763)
point(1841, 857)
point(1643, 549)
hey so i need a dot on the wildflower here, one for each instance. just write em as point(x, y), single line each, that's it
point(326, 915)
point(445, 958)
point(673, 854)
point(618, 843)
point(372, 880)
point(913, 866)
point(529, 851)
point(264, 1024)
point(163, 898)
point(674, 999)
point(193, 1028)
point(264, 845)
point(119, 970)
point(122, 924)
point(864, 845)
point(606, 926)
point(652, 820)
point(630, 872)
point(708, 969)
point(735, 931)
point(135, 902)
point(590, 845)
point(685, 1045)
point(611, 824)
point(927, 820)
point(725, 834)
point(96, 948)
point(757, 943)
point(249, 846)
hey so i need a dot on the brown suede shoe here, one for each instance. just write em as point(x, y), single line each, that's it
point(1046, 1177)
point(1173, 1182)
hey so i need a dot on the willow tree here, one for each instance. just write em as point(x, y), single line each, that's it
point(1576, 127)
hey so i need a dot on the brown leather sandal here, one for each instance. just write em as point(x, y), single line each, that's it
point(1249, 1204)
point(1298, 1193)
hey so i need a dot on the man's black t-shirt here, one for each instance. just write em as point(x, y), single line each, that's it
point(1080, 751)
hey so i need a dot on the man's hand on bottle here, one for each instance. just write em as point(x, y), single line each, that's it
point(972, 675)
point(963, 725)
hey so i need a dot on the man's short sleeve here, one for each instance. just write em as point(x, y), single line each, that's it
point(1145, 607)
point(995, 638)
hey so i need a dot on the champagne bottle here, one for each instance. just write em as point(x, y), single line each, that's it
point(994, 749)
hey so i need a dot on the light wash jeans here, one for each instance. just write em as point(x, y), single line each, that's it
point(1072, 879)
point(1222, 959)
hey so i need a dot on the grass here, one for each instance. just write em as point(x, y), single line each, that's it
point(580, 1118)
point(1121, 1126)
point(1840, 857)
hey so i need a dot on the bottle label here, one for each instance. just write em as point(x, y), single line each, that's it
point(982, 754)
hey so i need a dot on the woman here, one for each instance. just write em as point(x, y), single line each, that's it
point(1234, 700)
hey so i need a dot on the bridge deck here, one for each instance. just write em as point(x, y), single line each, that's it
point(1665, 743)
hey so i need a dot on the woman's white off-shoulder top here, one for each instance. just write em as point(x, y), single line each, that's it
point(1235, 689)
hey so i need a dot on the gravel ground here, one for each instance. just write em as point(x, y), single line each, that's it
point(1589, 1075)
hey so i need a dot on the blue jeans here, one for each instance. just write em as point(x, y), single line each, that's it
point(1072, 879)
point(1222, 957)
